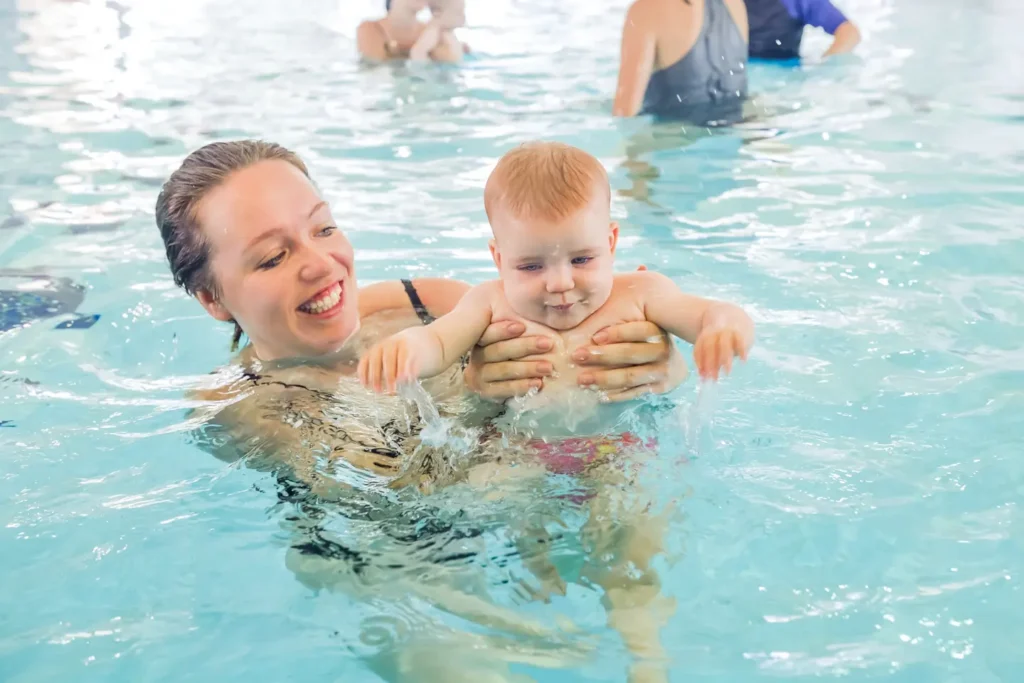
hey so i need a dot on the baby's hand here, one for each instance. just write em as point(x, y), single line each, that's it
point(715, 349)
point(389, 363)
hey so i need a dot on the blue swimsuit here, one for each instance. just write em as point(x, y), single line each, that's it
point(777, 26)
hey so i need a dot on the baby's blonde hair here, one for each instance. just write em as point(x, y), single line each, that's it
point(548, 180)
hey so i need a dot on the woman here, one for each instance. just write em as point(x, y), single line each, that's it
point(249, 236)
point(400, 35)
point(684, 59)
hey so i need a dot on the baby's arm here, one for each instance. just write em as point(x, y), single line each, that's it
point(718, 330)
point(420, 352)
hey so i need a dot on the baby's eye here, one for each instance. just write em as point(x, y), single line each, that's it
point(582, 260)
point(529, 267)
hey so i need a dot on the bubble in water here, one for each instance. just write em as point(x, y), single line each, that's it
point(382, 632)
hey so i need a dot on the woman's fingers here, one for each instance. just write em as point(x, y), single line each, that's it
point(624, 353)
point(511, 349)
point(637, 331)
point(515, 369)
point(635, 392)
point(624, 378)
point(498, 391)
point(501, 331)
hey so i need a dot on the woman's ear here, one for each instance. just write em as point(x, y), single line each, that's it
point(213, 306)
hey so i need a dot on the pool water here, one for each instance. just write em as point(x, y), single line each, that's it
point(847, 504)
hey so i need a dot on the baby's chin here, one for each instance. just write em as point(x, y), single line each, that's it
point(566, 321)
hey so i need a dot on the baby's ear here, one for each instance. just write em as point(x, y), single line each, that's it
point(495, 254)
point(613, 236)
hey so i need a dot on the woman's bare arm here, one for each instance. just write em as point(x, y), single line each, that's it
point(636, 61)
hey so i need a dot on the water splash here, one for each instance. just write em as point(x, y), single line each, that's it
point(438, 431)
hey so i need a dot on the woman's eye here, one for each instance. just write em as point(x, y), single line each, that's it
point(327, 231)
point(271, 262)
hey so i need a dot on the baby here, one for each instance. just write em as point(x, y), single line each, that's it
point(549, 206)
point(554, 245)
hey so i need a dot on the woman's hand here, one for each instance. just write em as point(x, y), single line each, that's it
point(496, 370)
point(627, 360)
point(630, 360)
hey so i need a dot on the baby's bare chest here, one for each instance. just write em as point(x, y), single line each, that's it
point(619, 309)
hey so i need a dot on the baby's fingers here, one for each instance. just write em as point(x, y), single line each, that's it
point(402, 363)
point(392, 368)
point(373, 362)
point(700, 352)
point(361, 371)
point(726, 344)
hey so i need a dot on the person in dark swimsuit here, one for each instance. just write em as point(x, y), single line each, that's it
point(777, 27)
point(684, 60)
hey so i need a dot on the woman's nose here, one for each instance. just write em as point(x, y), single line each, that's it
point(315, 265)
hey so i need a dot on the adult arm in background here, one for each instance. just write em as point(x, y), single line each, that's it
point(824, 15)
point(636, 60)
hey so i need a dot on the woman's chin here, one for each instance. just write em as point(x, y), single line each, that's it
point(324, 342)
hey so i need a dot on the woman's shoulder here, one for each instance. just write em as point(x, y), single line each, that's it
point(438, 295)
point(223, 384)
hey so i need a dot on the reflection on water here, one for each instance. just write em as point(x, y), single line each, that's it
point(495, 534)
point(843, 505)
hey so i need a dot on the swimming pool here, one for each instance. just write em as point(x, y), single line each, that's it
point(848, 503)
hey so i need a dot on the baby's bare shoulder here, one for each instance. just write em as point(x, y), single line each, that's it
point(638, 283)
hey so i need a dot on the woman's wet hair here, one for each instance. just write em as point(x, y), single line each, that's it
point(177, 216)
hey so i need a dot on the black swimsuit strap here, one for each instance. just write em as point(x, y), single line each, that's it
point(417, 303)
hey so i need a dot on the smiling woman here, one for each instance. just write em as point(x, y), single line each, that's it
point(286, 308)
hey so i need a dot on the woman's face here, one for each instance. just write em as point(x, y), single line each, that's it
point(284, 270)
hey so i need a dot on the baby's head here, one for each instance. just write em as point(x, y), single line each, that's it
point(549, 206)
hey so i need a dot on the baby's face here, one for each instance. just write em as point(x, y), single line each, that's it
point(556, 272)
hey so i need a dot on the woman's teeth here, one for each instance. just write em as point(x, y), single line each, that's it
point(326, 302)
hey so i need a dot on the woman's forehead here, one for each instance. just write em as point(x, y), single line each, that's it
point(267, 194)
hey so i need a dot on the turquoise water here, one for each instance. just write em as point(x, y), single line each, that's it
point(847, 504)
